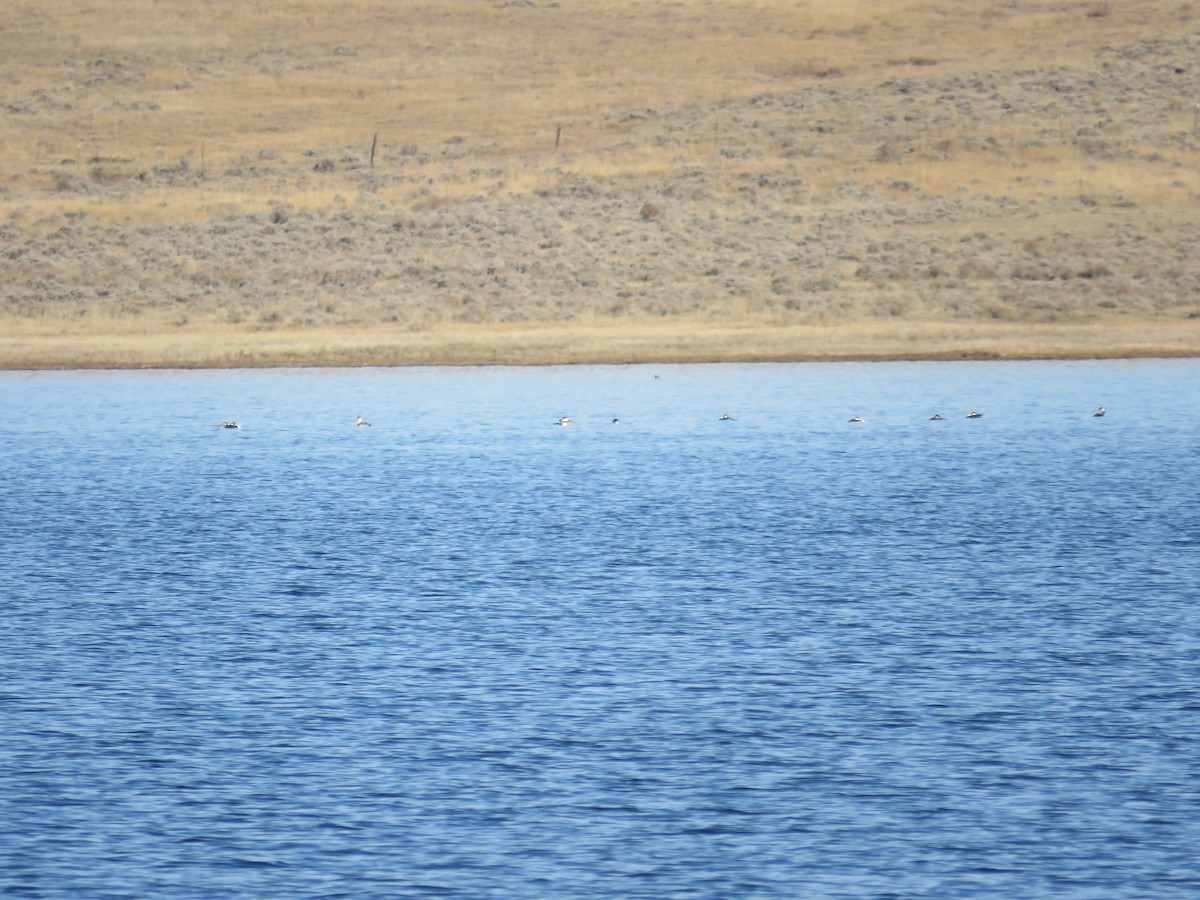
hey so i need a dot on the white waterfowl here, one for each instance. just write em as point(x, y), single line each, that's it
point(855, 419)
point(360, 422)
point(974, 415)
point(565, 420)
point(229, 425)
point(726, 417)
point(937, 417)
point(1099, 413)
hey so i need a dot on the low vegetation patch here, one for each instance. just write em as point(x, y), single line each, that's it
point(623, 167)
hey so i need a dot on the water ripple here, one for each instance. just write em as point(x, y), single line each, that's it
point(462, 657)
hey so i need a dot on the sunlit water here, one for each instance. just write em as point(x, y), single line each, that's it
point(465, 652)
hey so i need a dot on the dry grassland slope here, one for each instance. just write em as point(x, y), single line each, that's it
point(231, 183)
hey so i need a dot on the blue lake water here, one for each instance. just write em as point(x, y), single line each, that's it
point(467, 653)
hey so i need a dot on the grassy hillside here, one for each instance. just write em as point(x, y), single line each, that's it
point(226, 183)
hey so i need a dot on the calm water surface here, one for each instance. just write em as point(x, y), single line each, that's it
point(467, 653)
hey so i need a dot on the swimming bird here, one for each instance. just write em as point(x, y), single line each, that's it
point(937, 417)
point(361, 421)
point(616, 421)
point(230, 425)
point(725, 417)
point(856, 418)
point(975, 415)
point(1099, 413)
point(565, 420)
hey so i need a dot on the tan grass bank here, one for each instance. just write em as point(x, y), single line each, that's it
point(616, 342)
point(537, 181)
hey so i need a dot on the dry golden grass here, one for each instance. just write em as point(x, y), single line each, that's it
point(150, 81)
point(627, 341)
point(128, 123)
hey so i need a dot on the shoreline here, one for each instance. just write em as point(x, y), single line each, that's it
point(26, 348)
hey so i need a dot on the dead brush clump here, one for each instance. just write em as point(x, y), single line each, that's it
point(650, 211)
point(977, 269)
